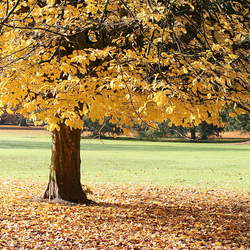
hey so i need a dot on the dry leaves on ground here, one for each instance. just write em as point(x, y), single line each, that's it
point(125, 217)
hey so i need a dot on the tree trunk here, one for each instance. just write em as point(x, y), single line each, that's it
point(193, 133)
point(22, 122)
point(65, 180)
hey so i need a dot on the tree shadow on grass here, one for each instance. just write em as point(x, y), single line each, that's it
point(158, 148)
point(24, 145)
point(5, 144)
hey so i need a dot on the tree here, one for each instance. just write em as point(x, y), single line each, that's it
point(10, 118)
point(240, 122)
point(236, 122)
point(134, 61)
point(99, 130)
point(195, 133)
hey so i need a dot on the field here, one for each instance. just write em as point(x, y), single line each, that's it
point(26, 154)
point(149, 195)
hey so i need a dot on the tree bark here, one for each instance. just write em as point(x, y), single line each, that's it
point(22, 122)
point(193, 133)
point(65, 179)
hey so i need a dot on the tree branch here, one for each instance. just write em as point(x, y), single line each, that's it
point(10, 13)
point(35, 28)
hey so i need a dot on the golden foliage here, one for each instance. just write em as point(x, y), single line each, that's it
point(132, 60)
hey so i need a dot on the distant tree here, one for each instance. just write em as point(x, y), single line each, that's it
point(205, 130)
point(22, 122)
point(200, 132)
point(100, 130)
point(193, 135)
point(238, 123)
point(12, 119)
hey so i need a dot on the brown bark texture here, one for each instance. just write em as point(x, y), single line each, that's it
point(193, 133)
point(65, 179)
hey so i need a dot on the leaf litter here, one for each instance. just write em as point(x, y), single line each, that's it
point(125, 217)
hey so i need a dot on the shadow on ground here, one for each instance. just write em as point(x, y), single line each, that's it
point(126, 217)
point(7, 144)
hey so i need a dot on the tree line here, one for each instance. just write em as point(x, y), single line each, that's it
point(239, 123)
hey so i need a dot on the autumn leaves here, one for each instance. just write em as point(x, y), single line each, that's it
point(169, 60)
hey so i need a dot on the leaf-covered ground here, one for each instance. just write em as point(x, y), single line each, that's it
point(126, 217)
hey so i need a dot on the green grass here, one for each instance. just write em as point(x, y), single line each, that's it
point(202, 165)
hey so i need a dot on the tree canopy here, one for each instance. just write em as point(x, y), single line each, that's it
point(130, 60)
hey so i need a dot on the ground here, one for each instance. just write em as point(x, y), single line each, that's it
point(125, 216)
point(10, 129)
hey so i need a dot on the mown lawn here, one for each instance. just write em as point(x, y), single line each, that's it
point(201, 165)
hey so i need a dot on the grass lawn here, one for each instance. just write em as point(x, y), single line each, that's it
point(201, 165)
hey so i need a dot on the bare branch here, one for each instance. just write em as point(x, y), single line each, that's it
point(9, 14)
point(35, 28)
point(104, 14)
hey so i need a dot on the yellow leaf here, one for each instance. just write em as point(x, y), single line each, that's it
point(92, 57)
point(9, 111)
point(232, 56)
point(218, 243)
